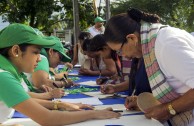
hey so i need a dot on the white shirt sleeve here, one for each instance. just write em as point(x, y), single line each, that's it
point(175, 54)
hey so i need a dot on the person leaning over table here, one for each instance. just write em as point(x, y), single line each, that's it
point(78, 56)
point(98, 42)
point(14, 61)
point(46, 94)
point(133, 75)
point(99, 65)
point(51, 57)
point(168, 55)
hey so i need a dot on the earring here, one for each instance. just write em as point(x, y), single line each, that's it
point(16, 55)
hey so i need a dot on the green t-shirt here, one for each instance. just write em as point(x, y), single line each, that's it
point(11, 90)
point(43, 64)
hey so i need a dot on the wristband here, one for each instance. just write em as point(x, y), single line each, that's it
point(56, 104)
point(53, 78)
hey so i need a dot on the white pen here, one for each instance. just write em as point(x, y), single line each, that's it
point(133, 93)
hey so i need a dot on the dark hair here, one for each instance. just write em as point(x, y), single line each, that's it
point(86, 44)
point(97, 43)
point(138, 15)
point(84, 35)
point(4, 51)
point(119, 26)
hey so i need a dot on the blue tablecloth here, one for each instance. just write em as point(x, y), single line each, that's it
point(107, 101)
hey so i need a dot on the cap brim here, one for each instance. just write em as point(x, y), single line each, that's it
point(42, 41)
point(65, 57)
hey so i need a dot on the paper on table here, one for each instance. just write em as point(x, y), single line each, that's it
point(89, 83)
point(117, 107)
point(138, 120)
point(66, 93)
point(114, 106)
point(89, 101)
point(97, 94)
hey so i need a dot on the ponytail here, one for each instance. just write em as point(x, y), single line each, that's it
point(138, 15)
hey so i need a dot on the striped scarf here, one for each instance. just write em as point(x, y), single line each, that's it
point(160, 87)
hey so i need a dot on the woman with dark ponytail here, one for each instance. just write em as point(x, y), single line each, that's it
point(168, 55)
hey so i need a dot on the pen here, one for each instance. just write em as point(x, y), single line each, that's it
point(117, 110)
point(55, 85)
point(114, 125)
point(64, 79)
point(99, 74)
point(131, 114)
point(133, 94)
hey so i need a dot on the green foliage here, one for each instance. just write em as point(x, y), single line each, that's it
point(39, 13)
point(177, 13)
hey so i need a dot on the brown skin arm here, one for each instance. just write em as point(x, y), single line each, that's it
point(109, 71)
point(181, 104)
point(41, 77)
point(54, 93)
point(47, 117)
point(75, 55)
point(110, 88)
point(110, 67)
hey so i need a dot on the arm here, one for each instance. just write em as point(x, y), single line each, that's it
point(46, 117)
point(41, 77)
point(109, 71)
point(45, 95)
point(110, 88)
point(110, 67)
point(54, 93)
point(181, 104)
point(122, 86)
point(75, 55)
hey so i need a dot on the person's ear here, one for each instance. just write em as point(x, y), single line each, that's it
point(50, 52)
point(132, 38)
point(15, 51)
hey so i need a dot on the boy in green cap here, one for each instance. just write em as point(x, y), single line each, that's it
point(98, 27)
point(20, 52)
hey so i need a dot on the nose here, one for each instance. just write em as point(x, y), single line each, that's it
point(38, 58)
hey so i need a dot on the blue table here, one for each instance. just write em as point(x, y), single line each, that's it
point(108, 101)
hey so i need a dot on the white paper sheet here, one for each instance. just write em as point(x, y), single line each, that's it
point(134, 120)
point(89, 83)
point(97, 94)
point(89, 101)
point(115, 106)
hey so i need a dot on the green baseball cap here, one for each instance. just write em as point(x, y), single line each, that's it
point(16, 34)
point(99, 19)
point(59, 47)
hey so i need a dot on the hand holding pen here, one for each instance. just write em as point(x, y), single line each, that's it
point(66, 83)
point(107, 88)
point(131, 102)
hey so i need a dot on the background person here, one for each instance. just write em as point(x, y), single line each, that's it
point(98, 27)
point(98, 65)
point(78, 56)
point(51, 57)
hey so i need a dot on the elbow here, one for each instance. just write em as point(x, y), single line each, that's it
point(111, 72)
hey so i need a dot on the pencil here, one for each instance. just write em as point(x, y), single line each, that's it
point(55, 85)
point(133, 94)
